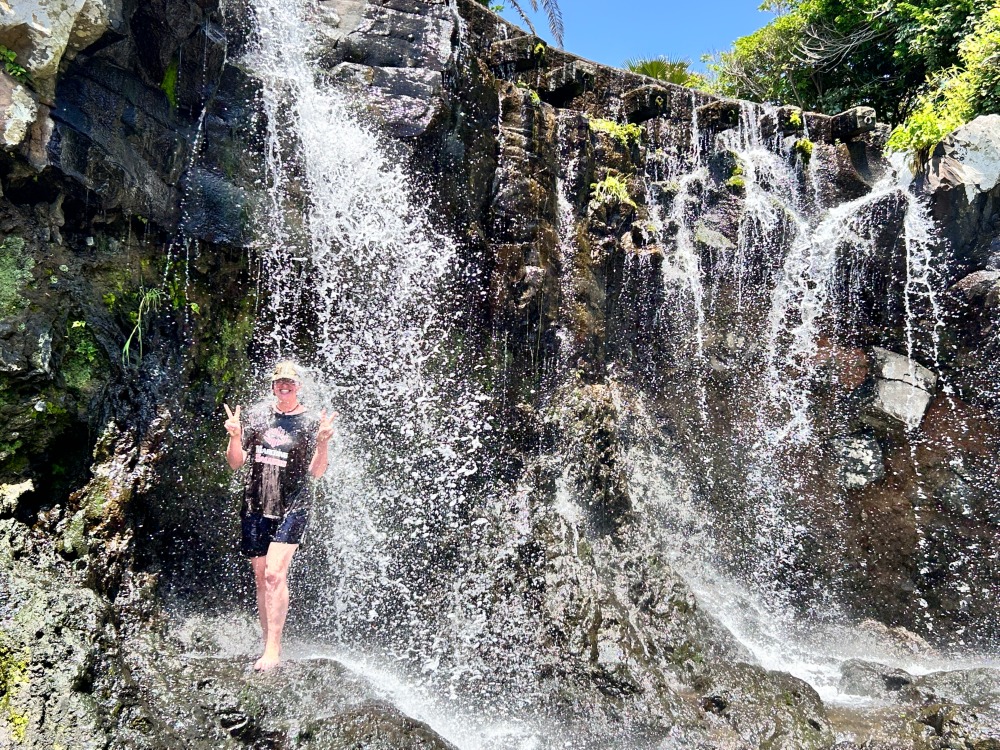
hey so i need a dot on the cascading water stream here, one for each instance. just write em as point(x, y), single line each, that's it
point(399, 574)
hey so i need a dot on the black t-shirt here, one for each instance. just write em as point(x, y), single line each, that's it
point(279, 449)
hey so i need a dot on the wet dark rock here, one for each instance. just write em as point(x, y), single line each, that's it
point(647, 102)
point(850, 124)
point(962, 727)
point(861, 460)
point(50, 632)
point(566, 82)
point(617, 640)
point(408, 101)
point(719, 115)
point(518, 53)
point(819, 127)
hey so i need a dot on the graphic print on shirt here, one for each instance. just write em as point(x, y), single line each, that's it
point(274, 461)
point(268, 453)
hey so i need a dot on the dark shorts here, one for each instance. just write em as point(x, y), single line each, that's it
point(258, 531)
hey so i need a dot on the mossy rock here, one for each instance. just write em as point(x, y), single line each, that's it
point(15, 272)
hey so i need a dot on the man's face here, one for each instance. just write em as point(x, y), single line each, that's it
point(284, 388)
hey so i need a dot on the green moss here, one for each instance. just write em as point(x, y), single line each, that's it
point(169, 83)
point(75, 537)
point(82, 357)
point(611, 190)
point(737, 180)
point(795, 119)
point(15, 272)
point(13, 677)
point(8, 449)
point(227, 363)
point(804, 148)
point(625, 134)
point(532, 94)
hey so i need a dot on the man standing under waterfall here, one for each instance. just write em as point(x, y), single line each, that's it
point(286, 445)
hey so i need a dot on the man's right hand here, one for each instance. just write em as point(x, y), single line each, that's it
point(233, 425)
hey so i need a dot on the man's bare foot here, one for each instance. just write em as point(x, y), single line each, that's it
point(266, 663)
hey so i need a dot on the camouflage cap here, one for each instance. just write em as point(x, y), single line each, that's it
point(286, 370)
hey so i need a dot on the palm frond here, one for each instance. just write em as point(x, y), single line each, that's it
point(555, 20)
point(661, 68)
point(524, 16)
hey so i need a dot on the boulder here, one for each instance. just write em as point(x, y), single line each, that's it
point(853, 122)
point(18, 111)
point(962, 727)
point(11, 493)
point(903, 389)
point(973, 687)
point(794, 716)
point(962, 178)
point(44, 32)
point(872, 680)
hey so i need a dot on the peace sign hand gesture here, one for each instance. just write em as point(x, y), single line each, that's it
point(233, 425)
point(325, 431)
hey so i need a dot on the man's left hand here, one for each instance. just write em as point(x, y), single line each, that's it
point(325, 431)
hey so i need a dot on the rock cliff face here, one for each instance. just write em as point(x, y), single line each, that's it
point(672, 301)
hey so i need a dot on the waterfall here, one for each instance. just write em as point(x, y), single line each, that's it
point(401, 576)
point(349, 249)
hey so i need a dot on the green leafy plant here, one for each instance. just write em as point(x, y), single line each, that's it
point(957, 94)
point(149, 303)
point(11, 66)
point(829, 55)
point(804, 147)
point(624, 134)
point(611, 190)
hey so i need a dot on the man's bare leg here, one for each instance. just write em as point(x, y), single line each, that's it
point(279, 557)
point(258, 576)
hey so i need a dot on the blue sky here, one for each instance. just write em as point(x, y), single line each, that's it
point(610, 31)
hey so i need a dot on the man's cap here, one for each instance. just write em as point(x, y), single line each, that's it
point(286, 370)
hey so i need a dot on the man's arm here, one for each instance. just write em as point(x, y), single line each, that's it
point(320, 459)
point(235, 454)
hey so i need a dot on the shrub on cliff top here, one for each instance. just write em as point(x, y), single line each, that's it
point(829, 55)
point(956, 95)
